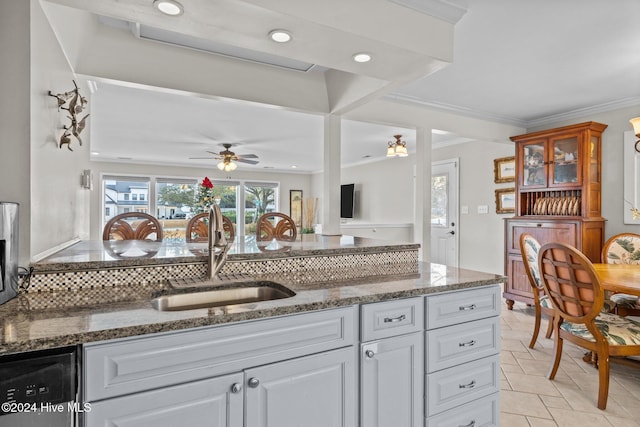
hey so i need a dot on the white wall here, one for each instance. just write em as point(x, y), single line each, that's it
point(384, 190)
point(481, 235)
point(288, 181)
point(15, 178)
point(59, 206)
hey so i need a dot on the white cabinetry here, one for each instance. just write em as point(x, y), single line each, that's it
point(272, 370)
point(392, 364)
point(463, 363)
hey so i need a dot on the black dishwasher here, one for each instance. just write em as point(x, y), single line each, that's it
point(39, 389)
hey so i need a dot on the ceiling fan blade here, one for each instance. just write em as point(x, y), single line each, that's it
point(203, 158)
point(247, 156)
point(250, 162)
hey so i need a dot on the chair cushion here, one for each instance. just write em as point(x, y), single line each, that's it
point(625, 300)
point(616, 330)
point(545, 302)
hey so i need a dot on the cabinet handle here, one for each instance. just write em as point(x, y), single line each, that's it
point(467, 344)
point(467, 307)
point(538, 225)
point(236, 388)
point(395, 319)
point(369, 354)
point(471, 424)
point(472, 384)
point(253, 382)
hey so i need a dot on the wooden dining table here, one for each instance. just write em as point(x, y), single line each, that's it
point(619, 278)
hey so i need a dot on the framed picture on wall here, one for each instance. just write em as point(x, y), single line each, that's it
point(505, 200)
point(295, 206)
point(504, 169)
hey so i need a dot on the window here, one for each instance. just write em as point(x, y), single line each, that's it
point(439, 203)
point(259, 198)
point(174, 201)
point(116, 195)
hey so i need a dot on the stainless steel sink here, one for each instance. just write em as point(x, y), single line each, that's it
point(221, 295)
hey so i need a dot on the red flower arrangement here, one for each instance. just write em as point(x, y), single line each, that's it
point(206, 182)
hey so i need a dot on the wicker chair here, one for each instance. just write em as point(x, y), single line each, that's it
point(574, 290)
point(623, 248)
point(276, 225)
point(133, 226)
point(198, 229)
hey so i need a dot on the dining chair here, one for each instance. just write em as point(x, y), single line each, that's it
point(133, 226)
point(276, 225)
point(198, 229)
point(573, 287)
point(623, 248)
point(530, 247)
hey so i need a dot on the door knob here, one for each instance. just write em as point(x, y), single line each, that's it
point(254, 382)
point(369, 354)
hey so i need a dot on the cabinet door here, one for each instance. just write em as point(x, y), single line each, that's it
point(391, 382)
point(311, 391)
point(534, 164)
point(214, 403)
point(564, 161)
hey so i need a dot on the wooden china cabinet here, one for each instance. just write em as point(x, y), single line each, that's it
point(558, 184)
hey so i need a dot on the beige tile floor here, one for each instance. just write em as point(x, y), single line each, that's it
point(529, 399)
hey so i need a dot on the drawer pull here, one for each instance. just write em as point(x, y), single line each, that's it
point(472, 384)
point(395, 319)
point(471, 424)
point(467, 307)
point(467, 344)
point(369, 354)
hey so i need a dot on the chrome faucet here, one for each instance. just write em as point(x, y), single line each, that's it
point(218, 246)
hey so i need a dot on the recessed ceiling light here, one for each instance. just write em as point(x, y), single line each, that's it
point(362, 57)
point(169, 7)
point(294, 167)
point(280, 36)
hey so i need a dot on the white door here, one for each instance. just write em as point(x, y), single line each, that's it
point(391, 382)
point(444, 212)
point(312, 391)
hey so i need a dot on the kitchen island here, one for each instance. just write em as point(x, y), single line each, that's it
point(352, 348)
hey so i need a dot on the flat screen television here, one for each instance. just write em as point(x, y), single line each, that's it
point(347, 200)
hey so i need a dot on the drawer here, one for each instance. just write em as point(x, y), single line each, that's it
point(118, 367)
point(453, 345)
point(462, 306)
point(544, 231)
point(390, 318)
point(484, 412)
point(461, 384)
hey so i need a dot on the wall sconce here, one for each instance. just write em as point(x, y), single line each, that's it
point(397, 148)
point(636, 129)
point(86, 180)
point(74, 103)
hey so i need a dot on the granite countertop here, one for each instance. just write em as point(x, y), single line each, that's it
point(130, 313)
point(92, 254)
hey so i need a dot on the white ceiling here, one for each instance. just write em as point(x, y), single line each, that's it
point(513, 61)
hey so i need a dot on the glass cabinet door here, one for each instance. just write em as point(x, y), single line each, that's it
point(564, 161)
point(534, 165)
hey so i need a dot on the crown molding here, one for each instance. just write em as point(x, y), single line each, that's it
point(450, 11)
point(578, 113)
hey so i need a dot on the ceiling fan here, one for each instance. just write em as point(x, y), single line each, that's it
point(228, 158)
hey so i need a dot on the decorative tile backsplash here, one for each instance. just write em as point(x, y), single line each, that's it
point(299, 269)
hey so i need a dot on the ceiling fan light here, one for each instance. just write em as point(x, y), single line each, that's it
point(221, 166)
point(232, 166)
